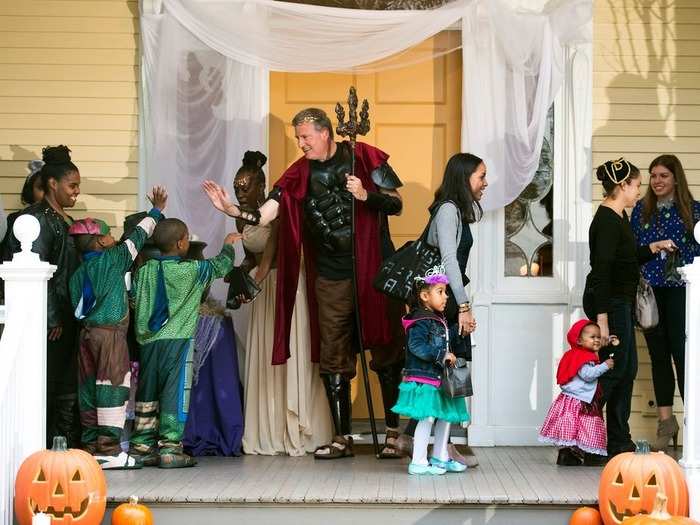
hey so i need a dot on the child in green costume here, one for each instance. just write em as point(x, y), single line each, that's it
point(99, 299)
point(167, 292)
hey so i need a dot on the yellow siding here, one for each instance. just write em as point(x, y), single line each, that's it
point(646, 101)
point(69, 75)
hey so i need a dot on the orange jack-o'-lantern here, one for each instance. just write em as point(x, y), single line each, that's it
point(68, 485)
point(630, 481)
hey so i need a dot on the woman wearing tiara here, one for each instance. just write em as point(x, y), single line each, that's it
point(285, 405)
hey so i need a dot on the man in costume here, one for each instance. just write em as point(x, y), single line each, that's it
point(313, 200)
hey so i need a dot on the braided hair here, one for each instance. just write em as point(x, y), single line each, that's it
point(57, 164)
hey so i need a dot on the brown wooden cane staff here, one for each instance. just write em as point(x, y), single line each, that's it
point(351, 129)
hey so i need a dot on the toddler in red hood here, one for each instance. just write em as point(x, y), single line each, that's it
point(575, 421)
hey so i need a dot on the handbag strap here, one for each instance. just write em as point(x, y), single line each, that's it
point(424, 235)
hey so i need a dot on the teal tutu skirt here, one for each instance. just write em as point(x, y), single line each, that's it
point(419, 401)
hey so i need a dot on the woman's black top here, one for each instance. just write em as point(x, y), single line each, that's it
point(615, 261)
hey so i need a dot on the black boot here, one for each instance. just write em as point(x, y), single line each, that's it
point(389, 381)
point(338, 393)
point(567, 458)
point(67, 419)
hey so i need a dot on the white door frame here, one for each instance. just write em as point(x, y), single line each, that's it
point(572, 216)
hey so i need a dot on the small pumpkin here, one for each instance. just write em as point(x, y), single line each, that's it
point(630, 481)
point(660, 515)
point(132, 513)
point(586, 516)
point(66, 484)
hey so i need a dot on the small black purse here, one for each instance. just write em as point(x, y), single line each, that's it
point(457, 379)
point(240, 284)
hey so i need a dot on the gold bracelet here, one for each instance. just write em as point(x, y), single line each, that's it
point(464, 308)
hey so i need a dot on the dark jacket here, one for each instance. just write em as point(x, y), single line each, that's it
point(427, 340)
point(54, 246)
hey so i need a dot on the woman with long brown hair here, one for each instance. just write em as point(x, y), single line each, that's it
point(667, 210)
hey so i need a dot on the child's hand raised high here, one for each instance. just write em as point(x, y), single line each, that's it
point(158, 197)
point(233, 238)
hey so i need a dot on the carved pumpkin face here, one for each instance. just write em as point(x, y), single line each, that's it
point(68, 485)
point(630, 481)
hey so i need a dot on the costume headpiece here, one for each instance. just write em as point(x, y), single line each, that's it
point(89, 227)
point(618, 170)
point(34, 166)
point(435, 275)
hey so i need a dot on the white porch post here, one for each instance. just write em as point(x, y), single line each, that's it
point(691, 427)
point(23, 347)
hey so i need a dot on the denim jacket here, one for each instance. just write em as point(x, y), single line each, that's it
point(426, 344)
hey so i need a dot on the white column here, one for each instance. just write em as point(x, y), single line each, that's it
point(691, 420)
point(23, 347)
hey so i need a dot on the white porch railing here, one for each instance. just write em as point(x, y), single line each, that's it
point(23, 351)
point(691, 427)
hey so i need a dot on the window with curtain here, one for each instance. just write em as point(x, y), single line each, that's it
point(529, 218)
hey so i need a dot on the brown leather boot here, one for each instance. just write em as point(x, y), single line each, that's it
point(666, 431)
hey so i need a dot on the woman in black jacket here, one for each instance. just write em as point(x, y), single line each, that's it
point(61, 183)
point(610, 292)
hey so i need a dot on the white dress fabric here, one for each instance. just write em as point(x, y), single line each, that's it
point(286, 410)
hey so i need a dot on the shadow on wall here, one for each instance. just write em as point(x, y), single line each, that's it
point(644, 89)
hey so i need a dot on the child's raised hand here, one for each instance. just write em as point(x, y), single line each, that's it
point(233, 238)
point(450, 358)
point(158, 197)
point(610, 362)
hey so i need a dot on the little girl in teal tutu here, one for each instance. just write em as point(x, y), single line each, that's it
point(420, 397)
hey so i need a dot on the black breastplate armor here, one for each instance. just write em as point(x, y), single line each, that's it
point(328, 206)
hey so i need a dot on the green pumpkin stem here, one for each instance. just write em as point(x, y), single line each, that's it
point(133, 500)
point(59, 444)
point(643, 447)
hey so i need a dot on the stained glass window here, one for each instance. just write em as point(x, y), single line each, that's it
point(529, 218)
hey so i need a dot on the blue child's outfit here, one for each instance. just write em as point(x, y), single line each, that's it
point(420, 396)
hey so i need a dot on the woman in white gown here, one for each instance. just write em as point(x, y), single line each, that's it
point(286, 411)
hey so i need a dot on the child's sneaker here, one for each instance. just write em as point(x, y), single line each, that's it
point(176, 460)
point(147, 459)
point(430, 470)
point(449, 466)
point(121, 461)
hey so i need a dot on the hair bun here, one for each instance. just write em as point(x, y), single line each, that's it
point(254, 160)
point(56, 155)
point(615, 170)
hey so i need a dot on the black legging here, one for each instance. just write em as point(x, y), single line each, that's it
point(666, 342)
point(618, 383)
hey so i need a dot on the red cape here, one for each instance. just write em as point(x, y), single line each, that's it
point(574, 358)
point(373, 304)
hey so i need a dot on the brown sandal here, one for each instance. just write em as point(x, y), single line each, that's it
point(340, 447)
point(390, 450)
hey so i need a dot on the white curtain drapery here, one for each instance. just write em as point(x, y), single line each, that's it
point(206, 66)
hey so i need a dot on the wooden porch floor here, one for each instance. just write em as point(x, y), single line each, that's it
point(505, 476)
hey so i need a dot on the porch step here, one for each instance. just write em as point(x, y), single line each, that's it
point(511, 485)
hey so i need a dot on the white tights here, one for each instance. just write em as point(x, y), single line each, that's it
point(421, 438)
